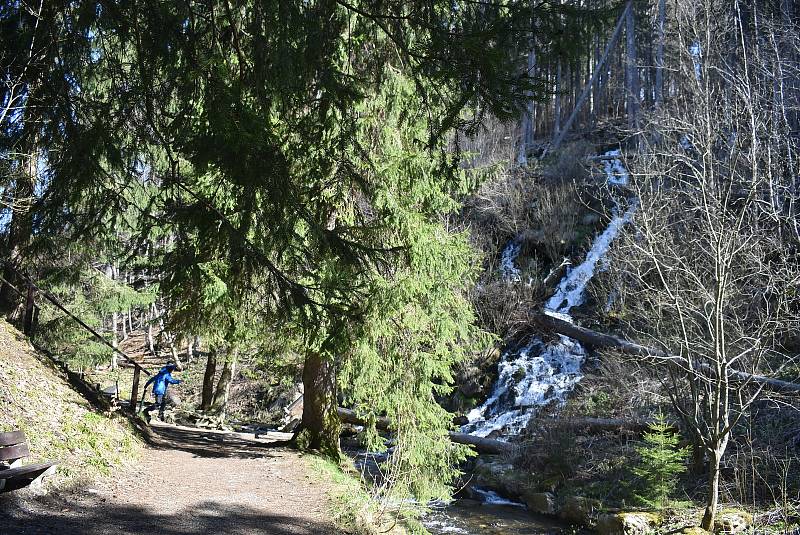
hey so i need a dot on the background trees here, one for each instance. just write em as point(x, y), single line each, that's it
point(708, 272)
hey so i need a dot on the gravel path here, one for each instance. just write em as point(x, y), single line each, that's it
point(189, 482)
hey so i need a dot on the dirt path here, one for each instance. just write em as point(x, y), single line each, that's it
point(189, 482)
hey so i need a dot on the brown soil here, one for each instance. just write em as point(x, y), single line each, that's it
point(189, 481)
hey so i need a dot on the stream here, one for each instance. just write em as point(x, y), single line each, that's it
point(467, 517)
point(531, 376)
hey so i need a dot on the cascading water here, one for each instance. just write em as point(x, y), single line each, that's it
point(539, 374)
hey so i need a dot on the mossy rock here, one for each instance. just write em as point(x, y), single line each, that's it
point(633, 523)
point(543, 503)
point(694, 530)
point(579, 510)
point(730, 521)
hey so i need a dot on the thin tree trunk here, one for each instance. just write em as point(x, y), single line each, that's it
point(224, 384)
point(151, 345)
point(710, 513)
point(320, 424)
point(659, 96)
point(600, 66)
point(527, 123)
point(632, 75)
point(557, 112)
point(207, 397)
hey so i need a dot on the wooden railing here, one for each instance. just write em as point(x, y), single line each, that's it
point(31, 318)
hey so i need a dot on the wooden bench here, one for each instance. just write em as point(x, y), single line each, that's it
point(13, 474)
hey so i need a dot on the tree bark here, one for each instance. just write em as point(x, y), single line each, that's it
point(320, 425)
point(659, 96)
point(632, 74)
point(207, 396)
point(224, 385)
point(710, 513)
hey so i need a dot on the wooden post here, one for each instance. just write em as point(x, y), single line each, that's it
point(135, 389)
point(29, 306)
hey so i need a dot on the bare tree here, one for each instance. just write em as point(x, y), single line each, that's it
point(709, 270)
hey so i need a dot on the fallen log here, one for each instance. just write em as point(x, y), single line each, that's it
point(601, 340)
point(481, 445)
point(348, 416)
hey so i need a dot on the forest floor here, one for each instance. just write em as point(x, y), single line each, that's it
point(189, 481)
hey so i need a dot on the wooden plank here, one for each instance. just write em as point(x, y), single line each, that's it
point(135, 390)
point(12, 437)
point(28, 471)
point(17, 451)
point(27, 326)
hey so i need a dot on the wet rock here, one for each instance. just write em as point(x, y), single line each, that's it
point(637, 523)
point(730, 521)
point(543, 503)
point(470, 389)
point(579, 510)
point(502, 477)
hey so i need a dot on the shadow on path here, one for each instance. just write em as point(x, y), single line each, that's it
point(190, 482)
point(208, 443)
point(107, 519)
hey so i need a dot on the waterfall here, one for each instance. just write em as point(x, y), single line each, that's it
point(538, 374)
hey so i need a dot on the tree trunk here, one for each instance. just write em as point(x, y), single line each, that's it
point(698, 462)
point(710, 513)
point(527, 123)
point(224, 385)
point(632, 74)
point(208, 381)
point(557, 111)
point(662, 8)
point(114, 340)
point(562, 132)
point(320, 425)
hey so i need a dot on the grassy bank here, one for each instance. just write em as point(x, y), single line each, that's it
point(60, 424)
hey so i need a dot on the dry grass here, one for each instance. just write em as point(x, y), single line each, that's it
point(59, 423)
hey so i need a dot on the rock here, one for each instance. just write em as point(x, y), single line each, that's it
point(730, 521)
point(543, 503)
point(579, 510)
point(636, 523)
point(502, 477)
point(470, 389)
point(694, 531)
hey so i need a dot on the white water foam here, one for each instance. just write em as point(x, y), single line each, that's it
point(537, 374)
point(508, 270)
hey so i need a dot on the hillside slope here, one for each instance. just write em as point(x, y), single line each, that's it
point(60, 424)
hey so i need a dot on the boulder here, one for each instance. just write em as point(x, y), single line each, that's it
point(502, 477)
point(731, 521)
point(543, 503)
point(470, 389)
point(635, 523)
point(579, 510)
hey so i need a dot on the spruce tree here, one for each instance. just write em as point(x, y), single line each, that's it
point(661, 462)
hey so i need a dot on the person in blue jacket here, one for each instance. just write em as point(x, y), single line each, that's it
point(160, 382)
